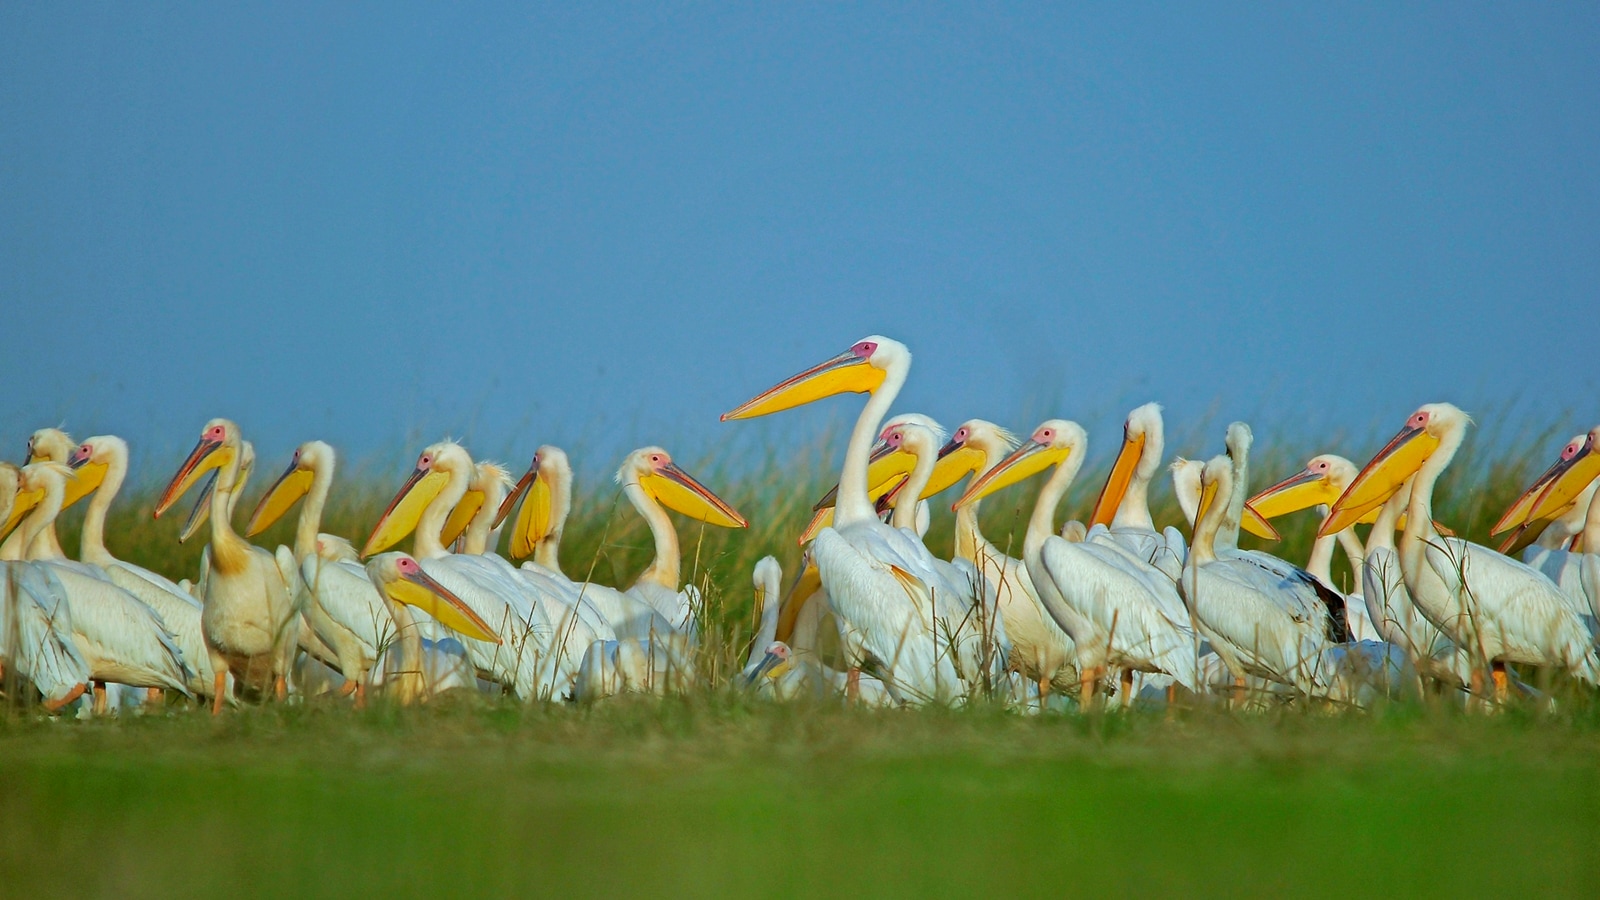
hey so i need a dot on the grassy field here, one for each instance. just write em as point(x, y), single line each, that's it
point(714, 796)
point(718, 793)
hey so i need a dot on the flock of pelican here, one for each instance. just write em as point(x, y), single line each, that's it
point(1112, 609)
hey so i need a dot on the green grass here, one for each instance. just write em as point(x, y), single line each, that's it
point(713, 795)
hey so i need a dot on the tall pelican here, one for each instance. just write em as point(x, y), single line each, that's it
point(35, 617)
point(522, 660)
point(1263, 617)
point(100, 465)
point(399, 579)
point(123, 640)
point(250, 623)
point(1496, 607)
point(880, 580)
point(340, 604)
point(1120, 610)
point(1040, 650)
point(546, 495)
point(653, 483)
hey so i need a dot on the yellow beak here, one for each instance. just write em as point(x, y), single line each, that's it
point(1255, 523)
point(24, 504)
point(1208, 496)
point(1025, 462)
point(887, 466)
point(206, 456)
point(293, 484)
point(807, 583)
point(1382, 477)
point(423, 592)
point(845, 373)
point(673, 488)
point(86, 478)
point(1564, 488)
point(1122, 471)
point(400, 518)
point(820, 519)
point(461, 516)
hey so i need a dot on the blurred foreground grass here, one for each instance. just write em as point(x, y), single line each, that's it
point(716, 796)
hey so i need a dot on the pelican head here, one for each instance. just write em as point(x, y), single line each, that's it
point(1186, 484)
point(295, 482)
point(1432, 426)
point(548, 488)
point(42, 483)
point(1051, 443)
point(426, 481)
point(400, 577)
point(861, 369)
point(1143, 427)
point(48, 444)
point(774, 662)
point(1558, 488)
point(218, 448)
point(1320, 483)
point(90, 462)
point(652, 470)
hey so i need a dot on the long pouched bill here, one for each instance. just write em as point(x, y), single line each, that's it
point(673, 488)
point(400, 518)
point(1381, 478)
point(206, 456)
point(293, 484)
point(1025, 462)
point(1122, 471)
point(423, 592)
point(843, 374)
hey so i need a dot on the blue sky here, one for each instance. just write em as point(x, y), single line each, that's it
point(381, 224)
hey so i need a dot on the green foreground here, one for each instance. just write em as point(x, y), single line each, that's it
point(715, 795)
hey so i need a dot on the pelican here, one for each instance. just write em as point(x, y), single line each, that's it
point(35, 617)
point(340, 604)
point(781, 673)
point(1119, 609)
point(123, 640)
point(578, 623)
point(1040, 650)
point(1320, 483)
point(805, 612)
point(1124, 503)
point(1556, 525)
point(924, 445)
point(1498, 608)
point(1263, 617)
point(1571, 483)
point(881, 581)
point(100, 465)
point(200, 513)
point(53, 445)
point(521, 661)
point(399, 579)
point(546, 495)
point(250, 623)
point(653, 483)
point(1562, 544)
